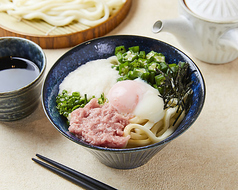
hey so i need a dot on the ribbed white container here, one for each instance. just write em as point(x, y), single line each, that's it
point(214, 10)
point(211, 19)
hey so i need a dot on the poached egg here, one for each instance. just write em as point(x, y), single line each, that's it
point(138, 98)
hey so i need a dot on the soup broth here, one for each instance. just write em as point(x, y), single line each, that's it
point(16, 72)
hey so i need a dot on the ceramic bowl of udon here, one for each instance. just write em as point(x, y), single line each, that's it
point(101, 48)
point(21, 82)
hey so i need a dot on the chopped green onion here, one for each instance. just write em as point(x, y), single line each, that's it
point(67, 103)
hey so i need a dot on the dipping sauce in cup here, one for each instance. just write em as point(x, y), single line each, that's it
point(22, 67)
point(21, 70)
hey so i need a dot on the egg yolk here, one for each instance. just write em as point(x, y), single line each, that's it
point(125, 95)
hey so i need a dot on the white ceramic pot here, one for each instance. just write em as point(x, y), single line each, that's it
point(206, 28)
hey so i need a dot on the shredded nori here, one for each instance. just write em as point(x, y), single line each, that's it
point(177, 85)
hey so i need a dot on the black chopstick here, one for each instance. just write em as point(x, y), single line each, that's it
point(74, 176)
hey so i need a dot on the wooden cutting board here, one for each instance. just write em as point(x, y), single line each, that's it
point(49, 37)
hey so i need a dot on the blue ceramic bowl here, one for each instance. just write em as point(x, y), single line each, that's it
point(102, 48)
point(17, 104)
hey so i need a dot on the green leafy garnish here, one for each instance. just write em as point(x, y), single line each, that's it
point(67, 103)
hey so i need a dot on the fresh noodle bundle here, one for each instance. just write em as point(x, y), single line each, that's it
point(144, 132)
point(62, 12)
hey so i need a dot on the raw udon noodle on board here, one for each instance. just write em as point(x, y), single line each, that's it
point(62, 12)
point(153, 109)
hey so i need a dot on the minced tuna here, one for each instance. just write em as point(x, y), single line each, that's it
point(99, 125)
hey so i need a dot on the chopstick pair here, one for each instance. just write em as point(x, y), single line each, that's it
point(72, 175)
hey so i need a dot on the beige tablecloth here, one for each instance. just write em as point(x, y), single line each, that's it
point(204, 157)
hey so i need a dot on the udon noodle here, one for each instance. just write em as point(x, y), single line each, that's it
point(143, 132)
point(62, 12)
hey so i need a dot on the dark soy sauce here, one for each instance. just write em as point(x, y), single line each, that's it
point(16, 72)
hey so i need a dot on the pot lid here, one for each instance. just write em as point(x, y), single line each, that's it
point(214, 10)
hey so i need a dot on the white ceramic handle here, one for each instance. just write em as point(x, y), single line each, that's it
point(230, 38)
